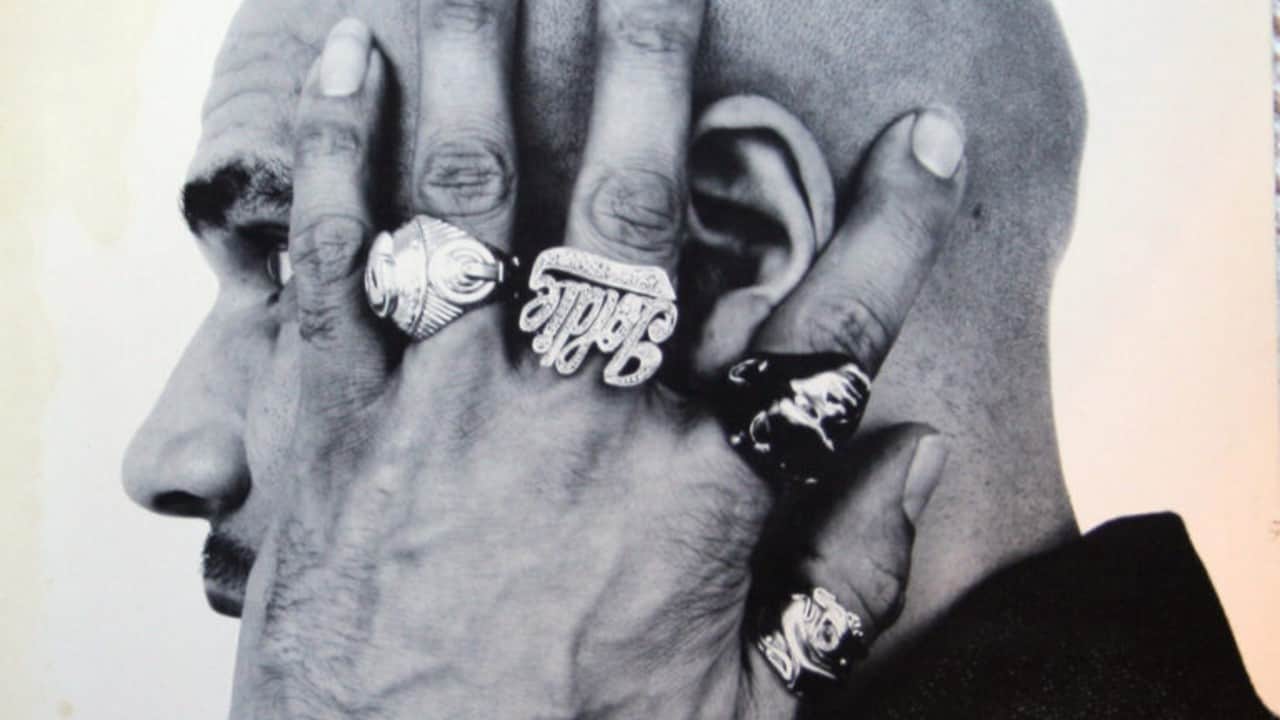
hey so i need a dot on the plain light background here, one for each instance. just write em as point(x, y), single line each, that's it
point(1163, 329)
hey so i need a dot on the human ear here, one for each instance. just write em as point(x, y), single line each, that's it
point(761, 206)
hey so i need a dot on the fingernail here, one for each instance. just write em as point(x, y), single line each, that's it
point(345, 58)
point(937, 141)
point(923, 475)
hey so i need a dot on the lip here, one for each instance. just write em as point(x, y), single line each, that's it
point(222, 600)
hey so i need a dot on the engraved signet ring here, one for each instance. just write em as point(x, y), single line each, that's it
point(428, 273)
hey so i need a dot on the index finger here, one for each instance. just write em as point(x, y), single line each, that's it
point(856, 298)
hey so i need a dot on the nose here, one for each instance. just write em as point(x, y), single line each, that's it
point(188, 458)
point(196, 472)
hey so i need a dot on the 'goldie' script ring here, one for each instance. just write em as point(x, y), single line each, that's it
point(428, 273)
point(583, 302)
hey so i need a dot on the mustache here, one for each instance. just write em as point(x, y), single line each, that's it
point(226, 562)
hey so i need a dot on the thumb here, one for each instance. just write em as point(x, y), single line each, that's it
point(862, 552)
point(853, 539)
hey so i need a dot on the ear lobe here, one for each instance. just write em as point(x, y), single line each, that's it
point(762, 200)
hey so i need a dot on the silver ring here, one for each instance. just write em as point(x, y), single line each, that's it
point(583, 301)
point(815, 643)
point(428, 273)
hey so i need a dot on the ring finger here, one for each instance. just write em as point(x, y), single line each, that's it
point(464, 154)
point(464, 160)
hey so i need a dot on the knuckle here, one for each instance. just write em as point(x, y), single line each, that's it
point(851, 326)
point(328, 249)
point(637, 209)
point(326, 139)
point(879, 589)
point(467, 177)
point(657, 29)
point(470, 16)
point(862, 584)
point(317, 324)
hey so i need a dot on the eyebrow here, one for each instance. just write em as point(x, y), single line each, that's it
point(210, 202)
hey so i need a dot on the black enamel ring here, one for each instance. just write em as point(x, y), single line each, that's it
point(792, 416)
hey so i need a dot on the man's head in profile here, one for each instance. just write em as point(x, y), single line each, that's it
point(972, 360)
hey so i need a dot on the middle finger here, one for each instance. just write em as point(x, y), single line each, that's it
point(628, 201)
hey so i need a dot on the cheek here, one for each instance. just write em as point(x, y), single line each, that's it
point(270, 418)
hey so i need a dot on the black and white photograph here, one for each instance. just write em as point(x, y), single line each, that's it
point(646, 359)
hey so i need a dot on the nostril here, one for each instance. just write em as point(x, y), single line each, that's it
point(181, 504)
point(197, 472)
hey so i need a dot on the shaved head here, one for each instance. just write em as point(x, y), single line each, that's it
point(973, 357)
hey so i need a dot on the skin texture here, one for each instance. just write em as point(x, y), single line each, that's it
point(972, 359)
point(435, 553)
